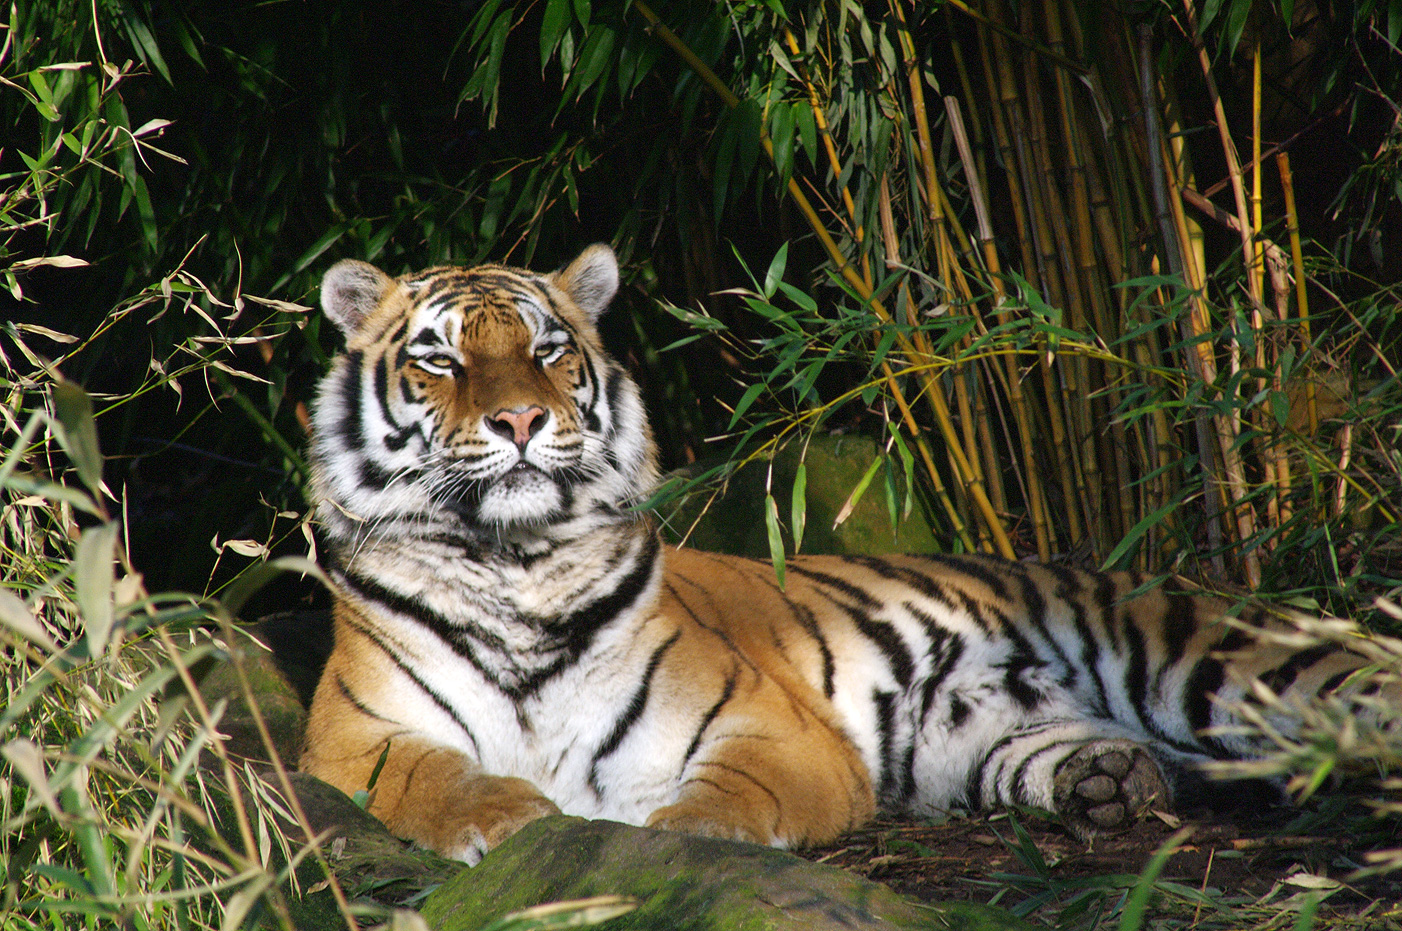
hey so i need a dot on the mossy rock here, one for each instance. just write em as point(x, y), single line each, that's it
point(683, 883)
point(733, 522)
point(370, 863)
point(277, 701)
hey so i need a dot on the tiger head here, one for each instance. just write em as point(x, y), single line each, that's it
point(478, 397)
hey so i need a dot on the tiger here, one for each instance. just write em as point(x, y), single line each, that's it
point(514, 640)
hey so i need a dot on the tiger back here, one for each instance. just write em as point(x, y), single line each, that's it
point(513, 640)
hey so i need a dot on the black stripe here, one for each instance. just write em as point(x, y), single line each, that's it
point(360, 706)
point(1020, 793)
point(958, 712)
point(1283, 676)
point(710, 716)
point(1136, 674)
point(881, 633)
point(428, 690)
point(1068, 589)
point(1180, 622)
point(1104, 600)
point(575, 632)
point(975, 613)
point(630, 715)
point(1037, 609)
point(858, 595)
point(885, 705)
point(396, 440)
point(352, 428)
point(976, 567)
point(804, 616)
point(944, 652)
point(922, 583)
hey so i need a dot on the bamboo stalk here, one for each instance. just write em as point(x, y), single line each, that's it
point(1036, 501)
point(1043, 203)
point(1168, 213)
point(820, 120)
point(1245, 516)
point(1277, 463)
point(1297, 260)
point(1097, 405)
point(853, 278)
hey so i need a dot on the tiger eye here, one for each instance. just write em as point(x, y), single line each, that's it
point(440, 361)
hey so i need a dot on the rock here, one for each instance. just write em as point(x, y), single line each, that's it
point(834, 465)
point(682, 882)
point(367, 859)
point(277, 701)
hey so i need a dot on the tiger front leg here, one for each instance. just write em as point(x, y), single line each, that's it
point(438, 797)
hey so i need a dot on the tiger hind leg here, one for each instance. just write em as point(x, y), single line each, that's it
point(1097, 776)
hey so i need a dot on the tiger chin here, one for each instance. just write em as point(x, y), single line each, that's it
point(513, 640)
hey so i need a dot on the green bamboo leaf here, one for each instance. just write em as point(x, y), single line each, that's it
point(45, 102)
point(18, 616)
point(807, 131)
point(77, 433)
point(260, 574)
point(482, 20)
point(775, 274)
point(748, 147)
point(798, 296)
point(724, 160)
point(1236, 23)
point(781, 134)
point(893, 507)
point(799, 506)
point(553, 25)
point(1132, 918)
point(907, 467)
point(144, 42)
point(776, 538)
point(746, 400)
point(18, 702)
point(93, 579)
point(593, 58)
point(1280, 407)
point(860, 489)
point(1135, 533)
point(1210, 10)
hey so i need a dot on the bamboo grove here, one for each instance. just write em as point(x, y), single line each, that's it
point(1010, 206)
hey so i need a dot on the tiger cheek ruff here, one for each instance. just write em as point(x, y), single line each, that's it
point(512, 640)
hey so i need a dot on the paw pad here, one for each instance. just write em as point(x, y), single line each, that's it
point(1105, 785)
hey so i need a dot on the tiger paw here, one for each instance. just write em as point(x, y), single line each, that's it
point(488, 811)
point(693, 818)
point(1105, 785)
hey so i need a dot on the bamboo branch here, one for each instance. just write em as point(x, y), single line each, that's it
point(858, 284)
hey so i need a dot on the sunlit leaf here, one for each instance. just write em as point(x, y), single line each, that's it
point(78, 433)
point(798, 519)
point(16, 615)
point(93, 579)
point(775, 535)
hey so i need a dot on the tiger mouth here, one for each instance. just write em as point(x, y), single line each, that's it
point(521, 476)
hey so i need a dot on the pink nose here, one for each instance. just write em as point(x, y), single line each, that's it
point(518, 426)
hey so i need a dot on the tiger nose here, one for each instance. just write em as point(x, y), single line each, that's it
point(518, 426)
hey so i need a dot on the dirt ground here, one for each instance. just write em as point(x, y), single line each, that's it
point(1239, 873)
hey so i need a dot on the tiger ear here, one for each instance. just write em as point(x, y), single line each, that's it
point(591, 280)
point(350, 291)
